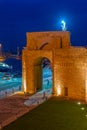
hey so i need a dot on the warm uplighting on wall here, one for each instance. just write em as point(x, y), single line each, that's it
point(86, 90)
point(24, 85)
point(58, 90)
point(24, 78)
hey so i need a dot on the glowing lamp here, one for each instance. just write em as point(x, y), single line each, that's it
point(86, 115)
point(82, 108)
point(63, 25)
point(58, 90)
point(79, 103)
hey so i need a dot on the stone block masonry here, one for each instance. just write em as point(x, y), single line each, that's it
point(69, 64)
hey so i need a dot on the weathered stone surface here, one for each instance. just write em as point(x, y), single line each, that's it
point(68, 64)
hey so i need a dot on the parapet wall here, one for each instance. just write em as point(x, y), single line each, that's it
point(54, 39)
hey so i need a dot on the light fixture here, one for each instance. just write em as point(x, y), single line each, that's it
point(63, 25)
point(79, 103)
point(58, 90)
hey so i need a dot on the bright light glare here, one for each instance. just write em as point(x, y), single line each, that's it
point(83, 108)
point(3, 65)
point(79, 103)
point(63, 25)
point(63, 22)
point(58, 90)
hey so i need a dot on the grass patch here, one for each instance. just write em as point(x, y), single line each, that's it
point(55, 114)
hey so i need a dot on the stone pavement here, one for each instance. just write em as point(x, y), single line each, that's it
point(17, 105)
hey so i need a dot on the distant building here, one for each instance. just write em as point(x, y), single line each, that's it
point(69, 64)
point(2, 57)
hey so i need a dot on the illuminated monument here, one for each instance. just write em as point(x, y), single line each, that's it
point(69, 64)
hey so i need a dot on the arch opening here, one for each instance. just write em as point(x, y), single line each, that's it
point(43, 74)
point(46, 74)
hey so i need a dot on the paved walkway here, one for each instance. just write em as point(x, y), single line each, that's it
point(17, 105)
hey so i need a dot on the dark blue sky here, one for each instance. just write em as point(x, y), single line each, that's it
point(20, 16)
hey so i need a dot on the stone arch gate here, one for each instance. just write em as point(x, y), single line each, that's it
point(34, 71)
point(42, 45)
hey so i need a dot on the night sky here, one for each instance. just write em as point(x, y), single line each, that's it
point(20, 16)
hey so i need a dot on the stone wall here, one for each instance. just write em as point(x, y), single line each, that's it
point(70, 71)
point(68, 64)
point(55, 40)
point(32, 68)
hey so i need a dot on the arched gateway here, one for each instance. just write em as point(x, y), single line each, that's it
point(68, 64)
